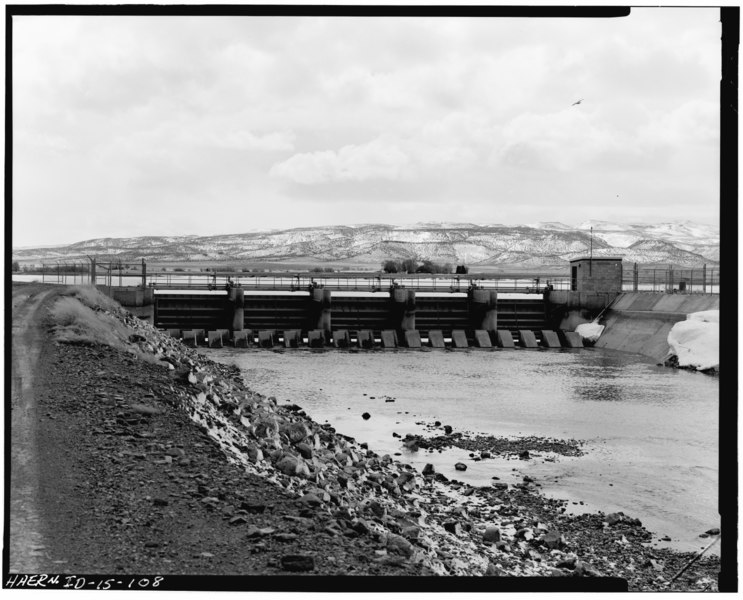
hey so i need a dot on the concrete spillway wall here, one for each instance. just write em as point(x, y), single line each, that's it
point(640, 321)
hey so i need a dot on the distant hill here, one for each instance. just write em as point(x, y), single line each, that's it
point(540, 244)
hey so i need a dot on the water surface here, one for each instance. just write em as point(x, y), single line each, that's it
point(650, 433)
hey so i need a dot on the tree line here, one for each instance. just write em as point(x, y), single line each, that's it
point(410, 265)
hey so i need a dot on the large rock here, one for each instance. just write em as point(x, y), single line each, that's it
point(144, 409)
point(492, 534)
point(553, 539)
point(404, 478)
point(296, 432)
point(266, 428)
point(567, 563)
point(360, 526)
point(305, 450)
point(399, 545)
point(614, 518)
point(453, 527)
point(298, 562)
point(311, 500)
point(254, 453)
point(494, 571)
point(288, 465)
point(377, 509)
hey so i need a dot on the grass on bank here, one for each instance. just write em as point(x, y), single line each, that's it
point(81, 316)
point(75, 323)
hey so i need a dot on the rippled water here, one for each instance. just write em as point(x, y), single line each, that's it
point(651, 433)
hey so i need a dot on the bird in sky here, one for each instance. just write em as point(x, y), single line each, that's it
point(577, 102)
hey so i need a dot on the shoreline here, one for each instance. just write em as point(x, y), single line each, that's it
point(153, 416)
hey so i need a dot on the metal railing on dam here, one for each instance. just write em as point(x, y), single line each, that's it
point(701, 280)
point(358, 283)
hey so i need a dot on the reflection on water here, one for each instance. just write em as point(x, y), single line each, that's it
point(599, 390)
point(650, 432)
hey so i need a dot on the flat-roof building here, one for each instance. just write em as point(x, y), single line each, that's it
point(596, 275)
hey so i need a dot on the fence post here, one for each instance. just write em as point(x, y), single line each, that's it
point(669, 282)
point(635, 275)
point(704, 278)
point(144, 274)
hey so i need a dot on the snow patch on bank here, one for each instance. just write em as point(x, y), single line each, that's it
point(696, 341)
point(590, 332)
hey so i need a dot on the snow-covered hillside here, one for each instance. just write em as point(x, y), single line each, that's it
point(540, 244)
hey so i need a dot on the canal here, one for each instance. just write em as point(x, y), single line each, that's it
point(649, 433)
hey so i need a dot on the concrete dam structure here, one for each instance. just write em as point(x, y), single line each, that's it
point(319, 318)
point(407, 318)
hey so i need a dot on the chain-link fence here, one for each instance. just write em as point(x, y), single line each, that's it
point(67, 272)
point(702, 280)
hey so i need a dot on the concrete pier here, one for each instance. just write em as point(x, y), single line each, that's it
point(459, 339)
point(550, 339)
point(242, 338)
point(389, 338)
point(321, 312)
point(504, 339)
point(412, 339)
point(292, 338)
point(436, 339)
point(527, 339)
point(214, 339)
point(403, 309)
point(341, 338)
point(266, 339)
point(366, 339)
point(570, 339)
point(237, 297)
point(482, 339)
point(316, 338)
point(189, 338)
point(484, 309)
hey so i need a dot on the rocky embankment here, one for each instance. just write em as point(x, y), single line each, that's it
point(162, 461)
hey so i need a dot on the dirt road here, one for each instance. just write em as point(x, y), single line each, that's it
point(27, 543)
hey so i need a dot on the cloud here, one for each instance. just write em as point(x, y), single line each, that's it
point(379, 159)
point(222, 135)
point(261, 115)
point(387, 156)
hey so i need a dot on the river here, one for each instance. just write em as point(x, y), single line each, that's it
point(650, 433)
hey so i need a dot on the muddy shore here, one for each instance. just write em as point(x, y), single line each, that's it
point(153, 459)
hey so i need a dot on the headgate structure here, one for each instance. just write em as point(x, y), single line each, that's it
point(324, 317)
point(398, 316)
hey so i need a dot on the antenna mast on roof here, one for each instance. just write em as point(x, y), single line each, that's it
point(590, 256)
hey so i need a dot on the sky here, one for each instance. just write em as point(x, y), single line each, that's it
point(133, 126)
